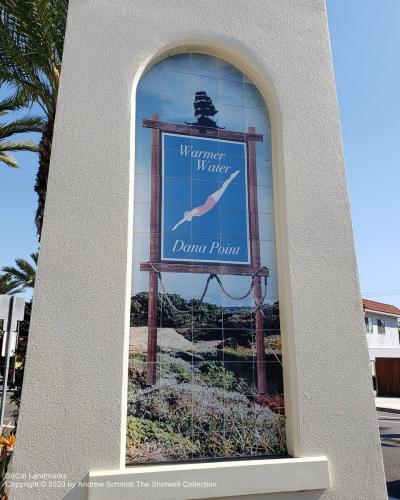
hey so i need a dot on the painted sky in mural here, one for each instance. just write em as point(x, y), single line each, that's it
point(239, 106)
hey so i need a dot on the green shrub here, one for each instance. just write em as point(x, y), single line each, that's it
point(181, 373)
point(215, 375)
point(196, 411)
point(144, 437)
point(218, 423)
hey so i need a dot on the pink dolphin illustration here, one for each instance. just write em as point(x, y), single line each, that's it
point(211, 201)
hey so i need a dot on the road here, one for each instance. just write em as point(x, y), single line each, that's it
point(389, 428)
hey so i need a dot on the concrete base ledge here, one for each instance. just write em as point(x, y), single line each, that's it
point(212, 479)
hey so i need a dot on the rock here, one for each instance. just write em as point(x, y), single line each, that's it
point(168, 339)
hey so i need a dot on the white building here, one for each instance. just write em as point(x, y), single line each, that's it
point(383, 330)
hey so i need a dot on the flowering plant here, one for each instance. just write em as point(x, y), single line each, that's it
point(6, 448)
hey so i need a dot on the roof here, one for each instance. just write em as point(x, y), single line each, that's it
point(371, 305)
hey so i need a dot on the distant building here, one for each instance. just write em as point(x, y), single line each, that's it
point(382, 324)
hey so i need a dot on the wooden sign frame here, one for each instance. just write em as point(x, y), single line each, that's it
point(155, 266)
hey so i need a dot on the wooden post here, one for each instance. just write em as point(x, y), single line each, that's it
point(154, 256)
point(155, 229)
point(256, 262)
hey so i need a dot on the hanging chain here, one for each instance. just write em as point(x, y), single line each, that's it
point(258, 304)
point(167, 298)
point(233, 297)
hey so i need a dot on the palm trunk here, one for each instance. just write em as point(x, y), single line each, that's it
point(43, 173)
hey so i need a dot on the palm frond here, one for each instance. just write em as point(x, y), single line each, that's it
point(22, 125)
point(11, 272)
point(7, 146)
point(18, 70)
point(19, 146)
point(8, 286)
point(13, 102)
point(31, 47)
point(23, 274)
point(9, 160)
point(31, 44)
point(25, 266)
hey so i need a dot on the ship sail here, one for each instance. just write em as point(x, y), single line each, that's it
point(203, 109)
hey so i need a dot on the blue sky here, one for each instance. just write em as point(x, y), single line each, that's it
point(366, 50)
point(365, 40)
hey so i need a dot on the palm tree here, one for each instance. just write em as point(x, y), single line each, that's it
point(23, 276)
point(8, 286)
point(20, 126)
point(31, 46)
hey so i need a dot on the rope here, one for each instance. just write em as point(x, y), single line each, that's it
point(233, 297)
point(166, 294)
point(241, 297)
point(259, 304)
point(273, 350)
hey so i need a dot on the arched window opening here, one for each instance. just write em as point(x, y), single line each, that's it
point(205, 369)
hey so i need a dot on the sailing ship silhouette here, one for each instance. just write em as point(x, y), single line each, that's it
point(203, 109)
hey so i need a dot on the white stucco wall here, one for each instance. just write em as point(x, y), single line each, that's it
point(74, 400)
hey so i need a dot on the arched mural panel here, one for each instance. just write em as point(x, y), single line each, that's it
point(205, 372)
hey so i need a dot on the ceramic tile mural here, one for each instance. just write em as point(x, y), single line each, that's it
point(205, 368)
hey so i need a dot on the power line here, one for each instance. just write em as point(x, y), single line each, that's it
point(386, 293)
